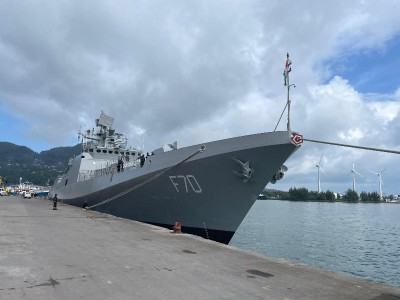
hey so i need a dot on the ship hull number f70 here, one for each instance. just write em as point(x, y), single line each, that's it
point(185, 183)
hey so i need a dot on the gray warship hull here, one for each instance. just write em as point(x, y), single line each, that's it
point(205, 186)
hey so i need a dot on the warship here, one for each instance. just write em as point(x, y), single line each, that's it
point(206, 188)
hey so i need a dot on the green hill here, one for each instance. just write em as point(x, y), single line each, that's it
point(38, 168)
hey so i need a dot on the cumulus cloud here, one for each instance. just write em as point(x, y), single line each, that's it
point(335, 112)
point(198, 70)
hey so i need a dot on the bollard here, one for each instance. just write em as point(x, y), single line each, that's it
point(177, 227)
point(55, 202)
point(85, 204)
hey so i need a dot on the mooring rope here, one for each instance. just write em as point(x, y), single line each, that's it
point(352, 146)
point(202, 148)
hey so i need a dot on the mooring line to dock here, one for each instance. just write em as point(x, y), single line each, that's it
point(352, 146)
point(202, 148)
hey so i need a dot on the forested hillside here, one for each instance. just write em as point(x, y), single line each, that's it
point(38, 168)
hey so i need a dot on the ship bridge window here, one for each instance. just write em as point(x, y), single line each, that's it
point(98, 150)
point(110, 151)
point(104, 151)
point(90, 150)
point(133, 153)
point(122, 153)
point(116, 152)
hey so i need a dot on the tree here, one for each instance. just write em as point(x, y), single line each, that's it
point(330, 196)
point(370, 197)
point(313, 196)
point(375, 197)
point(300, 194)
point(364, 197)
point(350, 196)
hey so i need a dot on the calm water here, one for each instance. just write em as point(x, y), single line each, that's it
point(358, 239)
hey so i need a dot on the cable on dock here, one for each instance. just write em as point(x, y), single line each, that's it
point(352, 146)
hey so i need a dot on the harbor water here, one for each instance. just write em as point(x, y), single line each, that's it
point(357, 239)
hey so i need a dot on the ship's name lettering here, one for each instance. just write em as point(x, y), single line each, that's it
point(185, 183)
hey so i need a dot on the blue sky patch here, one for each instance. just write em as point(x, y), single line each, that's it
point(13, 131)
point(370, 71)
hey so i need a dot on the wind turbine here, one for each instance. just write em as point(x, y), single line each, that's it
point(353, 173)
point(319, 168)
point(380, 182)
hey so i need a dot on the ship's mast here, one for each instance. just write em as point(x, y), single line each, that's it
point(286, 72)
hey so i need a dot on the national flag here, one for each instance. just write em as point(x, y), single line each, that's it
point(287, 69)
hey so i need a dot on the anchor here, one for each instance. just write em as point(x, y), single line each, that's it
point(247, 171)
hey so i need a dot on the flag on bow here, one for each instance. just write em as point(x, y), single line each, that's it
point(288, 68)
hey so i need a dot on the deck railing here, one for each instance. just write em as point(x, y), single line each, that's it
point(108, 170)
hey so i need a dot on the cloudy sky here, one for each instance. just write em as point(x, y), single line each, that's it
point(195, 71)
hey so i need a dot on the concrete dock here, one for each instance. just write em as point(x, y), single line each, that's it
point(71, 253)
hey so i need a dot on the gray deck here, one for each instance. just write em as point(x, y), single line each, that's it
point(70, 253)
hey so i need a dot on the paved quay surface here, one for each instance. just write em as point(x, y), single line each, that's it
point(70, 253)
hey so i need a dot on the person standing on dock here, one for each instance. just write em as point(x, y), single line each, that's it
point(55, 202)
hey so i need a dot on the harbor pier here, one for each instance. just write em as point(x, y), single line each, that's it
point(71, 253)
